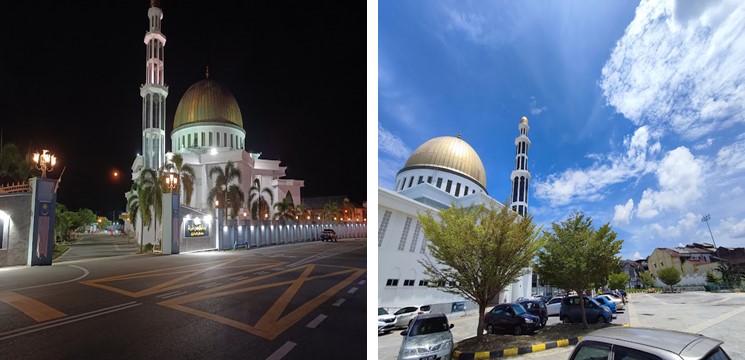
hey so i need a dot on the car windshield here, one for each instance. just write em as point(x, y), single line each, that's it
point(382, 311)
point(518, 309)
point(429, 326)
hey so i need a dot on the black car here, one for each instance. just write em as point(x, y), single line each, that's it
point(328, 235)
point(510, 318)
point(537, 308)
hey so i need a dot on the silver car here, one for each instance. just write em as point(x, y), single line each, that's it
point(427, 338)
point(618, 342)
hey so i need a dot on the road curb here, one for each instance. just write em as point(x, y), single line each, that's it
point(495, 354)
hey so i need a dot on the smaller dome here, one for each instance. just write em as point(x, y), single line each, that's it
point(523, 120)
point(451, 154)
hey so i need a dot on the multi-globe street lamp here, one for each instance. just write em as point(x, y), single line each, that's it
point(171, 181)
point(45, 162)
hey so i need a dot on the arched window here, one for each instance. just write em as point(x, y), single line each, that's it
point(522, 188)
point(514, 190)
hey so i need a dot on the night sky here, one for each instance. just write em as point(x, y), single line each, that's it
point(70, 73)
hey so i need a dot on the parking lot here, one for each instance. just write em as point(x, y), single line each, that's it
point(715, 315)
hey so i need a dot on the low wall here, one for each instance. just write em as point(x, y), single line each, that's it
point(15, 210)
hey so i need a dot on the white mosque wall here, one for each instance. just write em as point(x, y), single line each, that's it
point(208, 135)
point(401, 245)
point(459, 185)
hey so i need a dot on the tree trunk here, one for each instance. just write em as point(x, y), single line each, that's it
point(480, 327)
point(582, 308)
point(142, 235)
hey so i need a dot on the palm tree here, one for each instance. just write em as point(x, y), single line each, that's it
point(302, 212)
point(186, 176)
point(228, 196)
point(133, 208)
point(285, 209)
point(348, 210)
point(257, 201)
point(150, 196)
point(330, 211)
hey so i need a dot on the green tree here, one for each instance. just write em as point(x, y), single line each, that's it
point(670, 276)
point(731, 276)
point(478, 251)
point(712, 277)
point(150, 196)
point(618, 280)
point(578, 257)
point(84, 217)
point(62, 223)
point(285, 209)
point(647, 279)
point(229, 196)
point(330, 211)
point(186, 176)
point(133, 208)
point(14, 166)
point(260, 200)
point(302, 212)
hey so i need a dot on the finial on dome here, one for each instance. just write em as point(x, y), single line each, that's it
point(523, 120)
point(458, 134)
point(207, 72)
point(154, 3)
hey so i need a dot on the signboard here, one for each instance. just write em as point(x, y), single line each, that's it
point(196, 228)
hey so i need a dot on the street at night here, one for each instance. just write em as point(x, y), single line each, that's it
point(279, 302)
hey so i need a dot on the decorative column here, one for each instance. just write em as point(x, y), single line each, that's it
point(521, 176)
point(172, 229)
point(41, 231)
point(154, 93)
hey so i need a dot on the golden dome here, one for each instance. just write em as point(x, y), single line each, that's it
point(207, 101)
point(449, 153)
point(523, 120)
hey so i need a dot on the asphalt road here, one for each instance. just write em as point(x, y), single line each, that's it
point(99, 245)
point(281, 302)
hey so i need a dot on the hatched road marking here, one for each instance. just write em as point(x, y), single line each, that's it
point(34, 309)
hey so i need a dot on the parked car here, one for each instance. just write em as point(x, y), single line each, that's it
point(553, 306)
point(619, 303)
point(571, 312)
point(641, 343)
point(328, 235)
point(537, 308)
point(510, 318)
point(407, 314)
point(604, 301)
point(386, 321)
point(428, 337)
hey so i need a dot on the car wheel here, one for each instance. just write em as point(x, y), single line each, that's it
point(543, 323)
point(489, 329)
point(601, 319)
point(518, 330)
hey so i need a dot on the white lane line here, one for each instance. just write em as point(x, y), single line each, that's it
point(173, 294)
point(209, 285)
point(339, 302)
point(352, 290)
point(85, 273)
point(239, 278)
point(66, 320)
point(362, 282)
point(282, 351)
point(316, 321)
point(168, 294)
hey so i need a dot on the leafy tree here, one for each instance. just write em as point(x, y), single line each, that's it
point(285, 209)
point(647, 279)
point(150, 196)
point(578, 257)
point(347, 209)
point(84, 217)
point(302, 212)
point(618, 280)
point(330, 211)
point(186, 176)
point(14, 166)
point(260, 200)
point(730, 275)
point(228, 196)
point(478, 251)
point(670, 276)
point(711, 277)
point(133, 208)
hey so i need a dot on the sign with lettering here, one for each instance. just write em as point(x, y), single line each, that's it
point(196, 228)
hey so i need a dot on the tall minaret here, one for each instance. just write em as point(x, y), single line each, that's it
point(154, 93)
point(521, 176)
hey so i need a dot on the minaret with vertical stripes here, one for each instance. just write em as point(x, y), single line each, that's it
point(521, 176)
point(154, 93)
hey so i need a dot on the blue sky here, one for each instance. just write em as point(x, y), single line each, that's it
point(636, 110)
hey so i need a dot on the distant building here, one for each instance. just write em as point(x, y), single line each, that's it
point(633, 269)
point(692, 262)
point(346, 210)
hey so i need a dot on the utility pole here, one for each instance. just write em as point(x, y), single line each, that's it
point(706, 219)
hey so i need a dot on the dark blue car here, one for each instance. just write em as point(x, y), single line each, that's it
point(510, 318)
point(571, 312)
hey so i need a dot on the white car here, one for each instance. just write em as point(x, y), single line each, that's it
point(615, 300)
point(386, 321)
point(553, 306)
point(406, 314)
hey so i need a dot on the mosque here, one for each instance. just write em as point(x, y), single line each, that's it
point(442, 172)
point(208, 131)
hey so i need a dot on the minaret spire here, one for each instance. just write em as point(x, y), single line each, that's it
point(521, 176)
point(154, 92)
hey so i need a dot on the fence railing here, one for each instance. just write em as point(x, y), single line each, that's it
point(15, 188)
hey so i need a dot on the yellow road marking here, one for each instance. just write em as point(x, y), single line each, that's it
point(510, 352)
point(482, 355)
point(32, 308)
point(270, 325)
point(562, 343)
point(539, 347)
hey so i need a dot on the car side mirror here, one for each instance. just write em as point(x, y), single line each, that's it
point(452, 325)
point(403, 333)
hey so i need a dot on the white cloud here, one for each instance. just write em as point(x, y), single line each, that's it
point(703, 145)
point(637, 256)
point(391, 144)
point(686, 225)
point(731, 193)
point(534, 108)
point(680, 178)
point(680, 64)
point(624, 212)
point(731, 158)
point(733, 228)
point(588, 184)
point(485, 24)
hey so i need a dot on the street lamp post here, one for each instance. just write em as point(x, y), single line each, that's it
point(45, 162)
point(706, 219)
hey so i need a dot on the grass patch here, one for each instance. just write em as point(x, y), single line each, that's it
point(491, 342)
point(59, 249)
